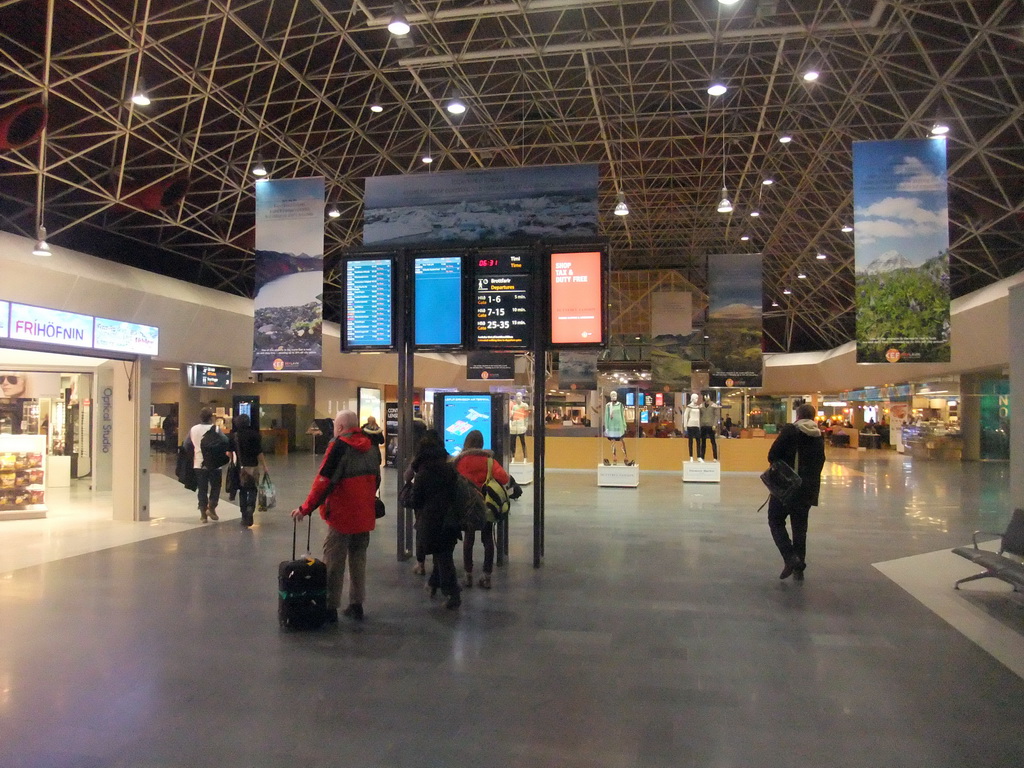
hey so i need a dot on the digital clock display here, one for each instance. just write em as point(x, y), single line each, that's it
point(503, 302)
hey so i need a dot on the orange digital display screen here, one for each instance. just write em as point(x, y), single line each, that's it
point(576, 298)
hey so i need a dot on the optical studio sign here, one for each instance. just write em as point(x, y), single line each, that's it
point(21, 322)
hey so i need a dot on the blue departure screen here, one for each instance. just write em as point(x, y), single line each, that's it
point(438, 292)
point(462, 414)
point(368, 291)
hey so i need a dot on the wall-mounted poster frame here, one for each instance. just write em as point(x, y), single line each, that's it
point(439, 296)
point(577, 297)
point(368, 303)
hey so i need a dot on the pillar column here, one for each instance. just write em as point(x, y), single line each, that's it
point(970, 416)
point(131, 398)
point(1016, 355)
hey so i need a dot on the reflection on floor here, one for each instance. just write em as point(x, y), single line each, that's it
point(656, 634)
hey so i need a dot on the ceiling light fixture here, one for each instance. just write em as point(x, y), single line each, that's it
point(775, 303)
point(728, 2)
point(376, 107)
point(785, 138)
point(744, 238)
point(801, 276)
point(334, 212)
point(725, 205)
point(846, 228)
point(786, 291)
point(821, 256)
point(42, 247)
point(939, 129)
point(427, 159)
point(140, 98)
point(456, 106)
point(621, 209)
point(259, 170)
point(399, 25)
point(717, 89)
point(811, 75)
point(755, 214)
point(767, 182)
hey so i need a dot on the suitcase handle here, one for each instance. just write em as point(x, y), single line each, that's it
point(309, 534)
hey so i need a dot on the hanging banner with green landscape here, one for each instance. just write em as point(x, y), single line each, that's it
point(734, 327)
point(901, 251)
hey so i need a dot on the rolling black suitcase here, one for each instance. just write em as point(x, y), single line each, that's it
point(302, 588)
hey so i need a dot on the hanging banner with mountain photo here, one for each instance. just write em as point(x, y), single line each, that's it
point(734, 327)
point(288, 309)
point(901, 251)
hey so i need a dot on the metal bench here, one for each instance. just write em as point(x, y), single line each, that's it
point(996, 564)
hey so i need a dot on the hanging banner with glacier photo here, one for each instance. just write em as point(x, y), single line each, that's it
point(288, 309)
point(734, 327)
point(901, 251)
point(482, 206)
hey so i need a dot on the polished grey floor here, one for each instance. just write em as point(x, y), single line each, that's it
point(656, 633)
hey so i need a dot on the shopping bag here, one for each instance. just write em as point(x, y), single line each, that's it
point(266, 494)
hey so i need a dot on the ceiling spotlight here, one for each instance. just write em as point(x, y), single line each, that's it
point(744, 238)
point(376, 107)
point(940, 129)
point(139, 98)
point(42, 247)
point(767, 182)
point(334, 212)
point(785, 138)
point(259, 169)
point(717, 89)
point(456, 106)
point(846, 228)
point(821, 257)
point(621, 209)
point(775, 303)
point(811, 75)
point(801, 276)
point(398, 25)
point(725, 205)
point(728, 2)
point(427, 158)
point(755, 214)
point(786, 291)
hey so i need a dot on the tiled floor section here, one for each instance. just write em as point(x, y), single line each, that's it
point(655, 634)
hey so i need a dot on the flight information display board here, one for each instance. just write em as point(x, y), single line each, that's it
point(503, 301)
point(369, 313)
point(577, 303)
point(205, 376)
point(437, 290)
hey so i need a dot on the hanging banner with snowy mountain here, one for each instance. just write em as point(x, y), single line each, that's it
point(901, 251)
point(482, 206)
point(288, 308)
point(734, 327)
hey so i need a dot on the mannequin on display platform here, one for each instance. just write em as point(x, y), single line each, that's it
point(709, 413)
point(518, 422)
point(691, 423)
point(615, 427)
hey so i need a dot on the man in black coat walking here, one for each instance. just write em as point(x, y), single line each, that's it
point(802, 446)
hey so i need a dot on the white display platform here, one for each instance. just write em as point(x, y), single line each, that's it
point(618, 476)
point(522, 471)
point(58, 471)
point(702, 472)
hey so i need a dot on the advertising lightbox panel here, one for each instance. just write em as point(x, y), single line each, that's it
point(369, 305)
point(50, 326)
point(134, 338)
point(5, 314)
point(460, 414)
point(577, 299)
point(437, 294)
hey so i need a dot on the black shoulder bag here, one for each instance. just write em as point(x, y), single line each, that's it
point(781, 480)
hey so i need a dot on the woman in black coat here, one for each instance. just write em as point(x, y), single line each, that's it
point(433, 496)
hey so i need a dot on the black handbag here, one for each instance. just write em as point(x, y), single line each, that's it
point(782, 481)
point(378, 508)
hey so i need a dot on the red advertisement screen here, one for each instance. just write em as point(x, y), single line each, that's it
point(576, 298)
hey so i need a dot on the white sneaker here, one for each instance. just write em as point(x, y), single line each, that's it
point(701, 460)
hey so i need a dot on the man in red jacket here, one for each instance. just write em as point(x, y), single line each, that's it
point(348, 507)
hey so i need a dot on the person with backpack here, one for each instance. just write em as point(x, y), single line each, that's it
point(247, 450)
point(210, 453)
point(480, 467)
point(438, 523)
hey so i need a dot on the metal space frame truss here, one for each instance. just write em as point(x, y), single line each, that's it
point(618, 83)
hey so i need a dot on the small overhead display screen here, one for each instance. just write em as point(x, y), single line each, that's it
point(503, 301)
point(462, 414)
point(369, 315)
point(577, 311)
point(437, 289)
point(208, 376)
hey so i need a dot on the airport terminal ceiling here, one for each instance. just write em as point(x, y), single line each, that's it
point(168, 187)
